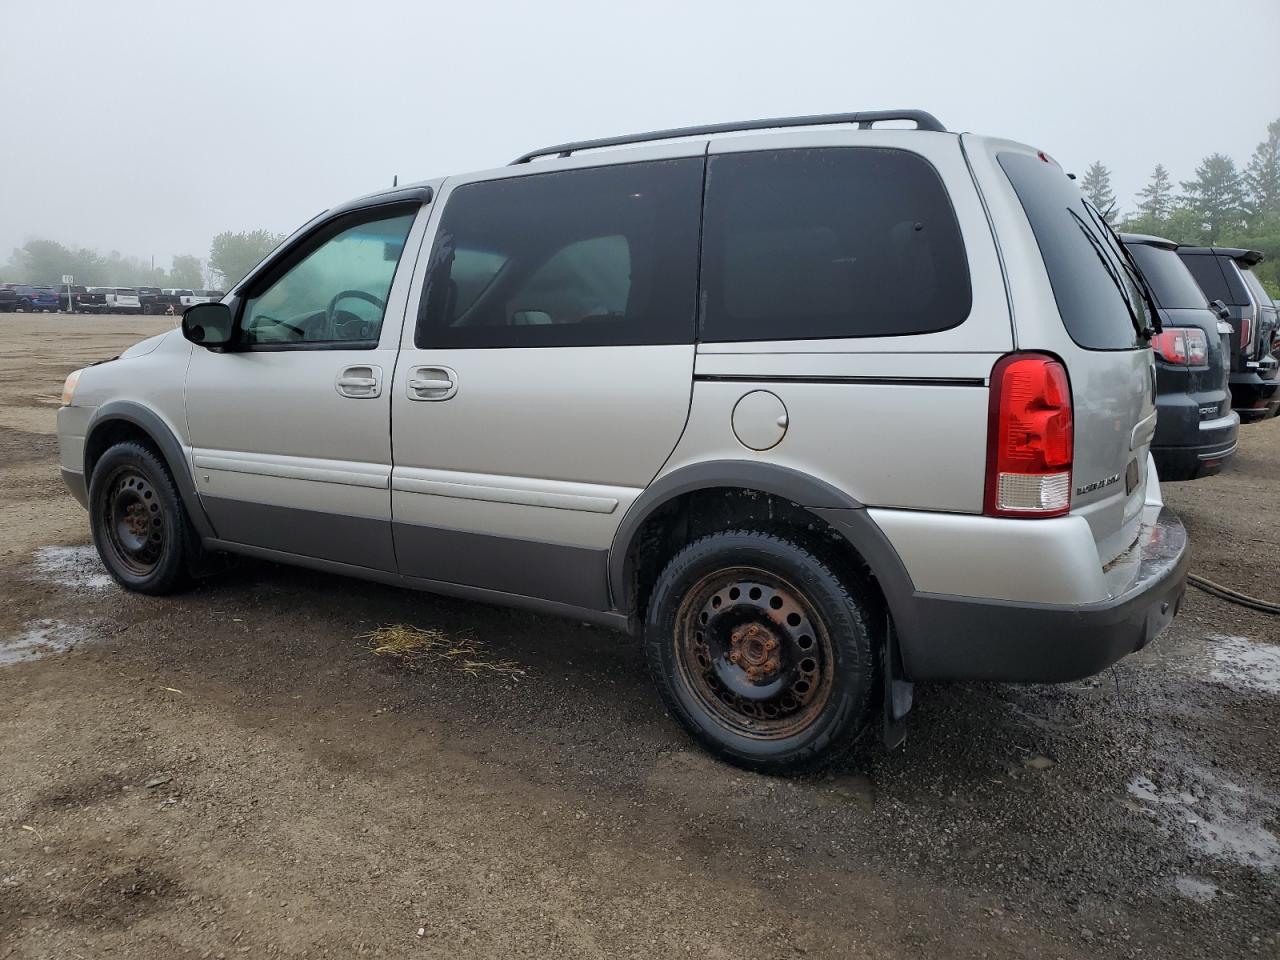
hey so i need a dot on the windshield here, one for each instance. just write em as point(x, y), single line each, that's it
point(1101, 304)
point(1168, 277)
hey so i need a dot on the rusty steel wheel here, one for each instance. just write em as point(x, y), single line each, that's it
point(138, 522)
point(753, 650)
point(762, 650)
point(134, 521)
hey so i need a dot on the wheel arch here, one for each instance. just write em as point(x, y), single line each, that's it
point(841, 518)
point(124, 421)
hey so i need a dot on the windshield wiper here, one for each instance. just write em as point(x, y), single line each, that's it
point(1132, 268)
point(1110, 268)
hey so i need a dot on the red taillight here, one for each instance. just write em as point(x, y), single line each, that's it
point(1246, 335)
point(1029, 438)
point(1185, 346)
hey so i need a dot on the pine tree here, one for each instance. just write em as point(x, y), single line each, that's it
point(1097, 189)
point(1262, 175)
point(1155, 200)
point(1216, 195)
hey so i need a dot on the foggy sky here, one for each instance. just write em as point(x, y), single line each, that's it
point(146, 127)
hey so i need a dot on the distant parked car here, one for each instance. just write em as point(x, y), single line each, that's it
point(1223, 274)
point(8, 299)
point(186, 298)
point(81, 300)
point(190, 298)
point(1196, 427)
point(35, 299)
point(123, 300)
point(156, 301)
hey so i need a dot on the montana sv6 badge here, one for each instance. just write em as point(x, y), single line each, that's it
point(1097, 485)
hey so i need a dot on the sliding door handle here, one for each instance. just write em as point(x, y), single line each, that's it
point(432, 383)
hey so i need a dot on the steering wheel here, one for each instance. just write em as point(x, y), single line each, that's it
point(331, 310)
point(263, 320)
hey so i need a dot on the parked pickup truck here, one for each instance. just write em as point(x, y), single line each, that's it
point(156, 301)
point(190, 298)
point(81, 300)
point(123, 300)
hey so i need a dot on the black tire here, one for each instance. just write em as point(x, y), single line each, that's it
point(804, 635)
point(139, 525)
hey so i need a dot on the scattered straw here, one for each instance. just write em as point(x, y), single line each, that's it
point(413, 648)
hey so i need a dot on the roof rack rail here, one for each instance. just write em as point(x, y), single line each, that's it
point(864, 119)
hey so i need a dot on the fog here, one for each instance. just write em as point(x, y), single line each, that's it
point(148, 127)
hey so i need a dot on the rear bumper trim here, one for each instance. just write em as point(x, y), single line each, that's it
point(964, 638)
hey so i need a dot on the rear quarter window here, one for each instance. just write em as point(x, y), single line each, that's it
point(1082, 260)
point(1217, 278)
point(829, 243)
point(1168, 277)
point(1260, 295)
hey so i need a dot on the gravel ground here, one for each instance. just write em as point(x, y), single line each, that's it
point(230, 773)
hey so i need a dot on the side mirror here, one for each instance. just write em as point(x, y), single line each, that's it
point(1220, 308)
point(208, 324)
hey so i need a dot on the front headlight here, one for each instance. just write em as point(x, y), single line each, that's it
point(69, 387)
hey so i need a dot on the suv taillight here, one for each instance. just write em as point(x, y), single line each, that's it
point(1246, 336)
point(1185, 346)
point(1029, 438)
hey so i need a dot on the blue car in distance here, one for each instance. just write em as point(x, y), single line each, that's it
point(35, 299)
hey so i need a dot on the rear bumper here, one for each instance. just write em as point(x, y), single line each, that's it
point(1212, 447)
point(1253, 397)
point(947, 637)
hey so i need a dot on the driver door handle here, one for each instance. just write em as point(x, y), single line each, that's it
point(432, 383)
point(360, 383)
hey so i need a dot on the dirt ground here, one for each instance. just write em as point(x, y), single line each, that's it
point(230, 773)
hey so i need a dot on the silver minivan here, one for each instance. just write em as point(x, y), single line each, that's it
point(815, 406)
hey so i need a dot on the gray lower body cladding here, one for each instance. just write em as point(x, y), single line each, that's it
point(941, 637)
point(547, 571)
point(75, 482)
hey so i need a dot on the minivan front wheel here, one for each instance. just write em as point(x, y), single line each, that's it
point(761, 651)
point(138, 522)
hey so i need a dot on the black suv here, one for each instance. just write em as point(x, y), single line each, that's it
point(1196, 427)
point(1223, 274)
point(8, 298)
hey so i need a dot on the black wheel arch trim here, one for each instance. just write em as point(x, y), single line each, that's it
point(150, 423)
point(844, 513)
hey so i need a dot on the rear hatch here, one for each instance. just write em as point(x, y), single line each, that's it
point(1102, 307)
point(1182, 306)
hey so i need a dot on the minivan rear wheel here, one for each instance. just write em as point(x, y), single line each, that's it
point(761, 650)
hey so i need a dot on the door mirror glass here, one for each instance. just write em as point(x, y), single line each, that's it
point(208, 324)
